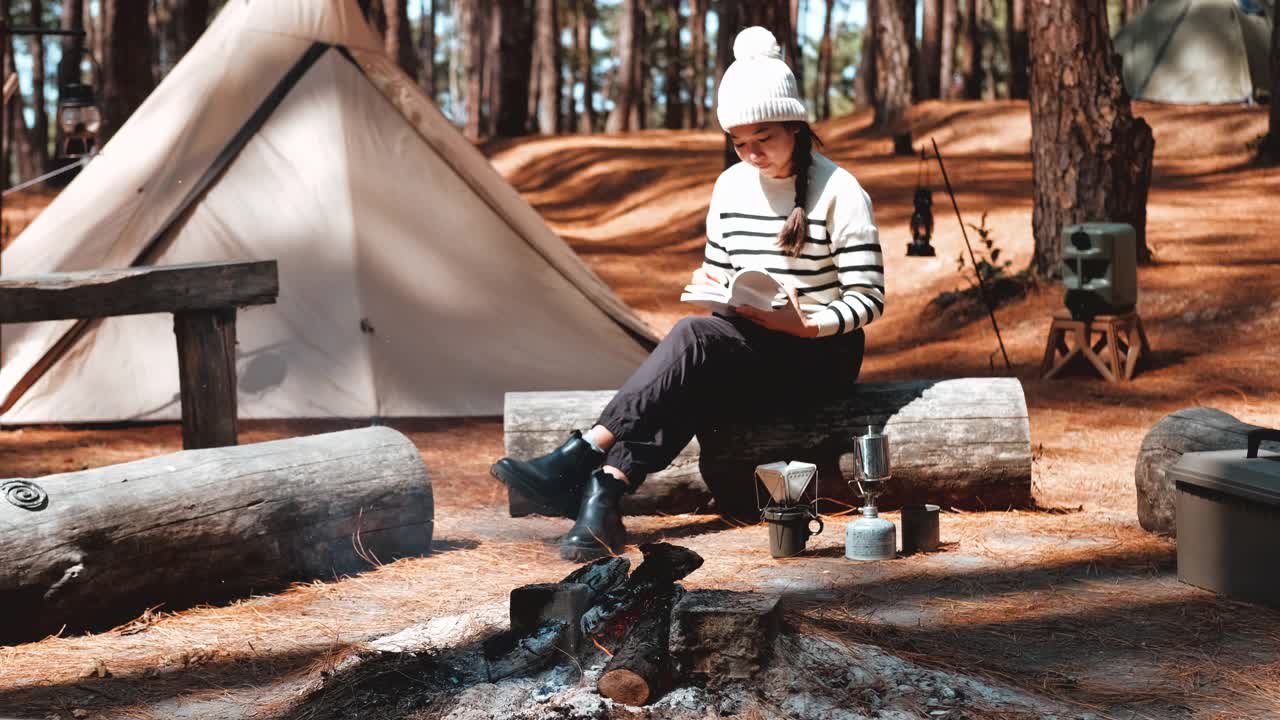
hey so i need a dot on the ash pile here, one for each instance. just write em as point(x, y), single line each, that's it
point(608, 642)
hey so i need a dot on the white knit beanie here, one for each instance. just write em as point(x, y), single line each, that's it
point(758, 86)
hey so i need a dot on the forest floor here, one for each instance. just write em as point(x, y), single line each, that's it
point(1071, 602)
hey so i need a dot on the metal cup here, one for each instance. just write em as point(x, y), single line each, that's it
point(789, 529)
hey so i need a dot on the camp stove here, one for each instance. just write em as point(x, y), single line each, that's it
point(871, 537)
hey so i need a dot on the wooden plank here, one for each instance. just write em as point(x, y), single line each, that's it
point(202, 525)
point(135, 291)
point(207, 376)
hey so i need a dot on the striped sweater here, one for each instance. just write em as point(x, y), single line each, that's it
point(839, 273)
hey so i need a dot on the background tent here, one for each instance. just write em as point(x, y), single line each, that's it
point(1198, 51)
point(414, 281)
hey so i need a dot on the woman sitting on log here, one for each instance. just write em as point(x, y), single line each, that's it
point(785, 209)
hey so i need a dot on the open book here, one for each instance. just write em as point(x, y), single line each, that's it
point(756, 288)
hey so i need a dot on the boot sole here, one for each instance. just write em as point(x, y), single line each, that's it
point(581, 553)
point(515, 482)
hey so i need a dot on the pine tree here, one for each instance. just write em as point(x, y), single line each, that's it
point(1091, 159)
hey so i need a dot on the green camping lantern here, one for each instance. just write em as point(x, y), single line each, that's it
point(80, 120)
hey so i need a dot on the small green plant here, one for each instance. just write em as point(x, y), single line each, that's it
point(990, 269)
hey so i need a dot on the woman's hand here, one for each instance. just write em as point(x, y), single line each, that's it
point(786, 319)
point(709, 276)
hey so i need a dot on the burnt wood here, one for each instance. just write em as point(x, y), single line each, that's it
point(137, 290)
point(197, 526)
point(664, 564)
point(962, 443)
point(640, 669)
point(1195, 429)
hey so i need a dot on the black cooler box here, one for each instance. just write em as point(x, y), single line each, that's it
point(1228, 520)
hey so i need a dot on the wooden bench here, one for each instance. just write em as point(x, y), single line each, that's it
point(203, 298)
point(963, 442)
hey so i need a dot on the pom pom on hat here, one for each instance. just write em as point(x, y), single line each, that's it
point(758, 86)
point(756, 42)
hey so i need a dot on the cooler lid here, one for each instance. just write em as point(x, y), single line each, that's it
point(1232, 473)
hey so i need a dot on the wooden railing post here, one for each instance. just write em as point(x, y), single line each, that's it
point(207, 376)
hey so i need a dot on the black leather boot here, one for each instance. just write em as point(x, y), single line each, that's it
point(553, 481)
point(599, 531)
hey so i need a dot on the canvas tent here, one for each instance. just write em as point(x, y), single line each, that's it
point(1198, 51)
point(414, 281)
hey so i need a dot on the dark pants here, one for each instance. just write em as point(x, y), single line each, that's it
point(711, 368)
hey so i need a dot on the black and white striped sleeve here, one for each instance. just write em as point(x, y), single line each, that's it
point(855, 247)
point(716, 255)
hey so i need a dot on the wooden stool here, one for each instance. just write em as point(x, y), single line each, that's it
point(1106, 341)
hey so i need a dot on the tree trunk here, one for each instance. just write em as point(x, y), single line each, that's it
point(473, 19)
point(548, 49)
point(92, 548)
point(913, 48)
point(931, 50)
point(864, 88)
point(823, 95)
point(399, 38)
point(972, 58)
point(643, 80)
point(1091, 159)
point(1019, 52)
point(1271, 147)
point(1195, 429)
point(947, 66)
point(775, 15)
point(126, 68)
point(375, 12)
point(192, 19)
point(892, 95)
point(673, 115)
point(698, 63)
point(586, 17)
point(491, 105)
point(627, 71)
point(963, 442)
point(1132, 8)
point(40, 124)
point(72, 54)
point(791, 45)
point(512, 72)
point(427, 47)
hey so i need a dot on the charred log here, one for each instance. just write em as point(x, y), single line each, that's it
point(664, 564)
point(640, 670)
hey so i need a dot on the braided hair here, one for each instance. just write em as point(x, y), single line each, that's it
point(795, 232)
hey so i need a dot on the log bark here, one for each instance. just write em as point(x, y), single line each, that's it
point(206, 526)
point(1195, 429)
point(640, 669)
point(964, 443)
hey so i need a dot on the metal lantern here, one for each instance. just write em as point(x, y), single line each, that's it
point(922, 224)
point(80, 119)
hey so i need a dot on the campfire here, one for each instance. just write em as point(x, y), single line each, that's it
point(607, 641)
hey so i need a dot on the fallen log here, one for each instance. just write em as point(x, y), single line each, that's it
point(1196, 429)
point(640, 670)
point(956, 443)
point(88, 549)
